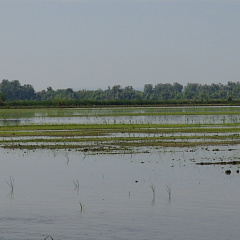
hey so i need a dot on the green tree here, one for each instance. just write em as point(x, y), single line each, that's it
point(13, 90)
point(191, 91)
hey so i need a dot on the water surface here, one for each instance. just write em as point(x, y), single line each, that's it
point(115, 192)
point(174, 115)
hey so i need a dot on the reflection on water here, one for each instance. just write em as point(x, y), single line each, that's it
point(116, 192)
point(12, 122)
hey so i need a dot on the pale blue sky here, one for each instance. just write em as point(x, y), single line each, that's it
point(99, 43)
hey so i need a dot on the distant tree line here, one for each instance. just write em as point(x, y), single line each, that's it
point(14, 91)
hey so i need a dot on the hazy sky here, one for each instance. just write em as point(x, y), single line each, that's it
point(98, 43)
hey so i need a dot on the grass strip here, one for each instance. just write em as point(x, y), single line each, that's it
point(119, 139)
point(94, 131)
point(110, 112)
point(119, 146)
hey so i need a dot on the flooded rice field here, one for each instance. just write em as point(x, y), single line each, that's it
point(131, 181)
point(173, 119)
point(128, 115)
point(162, 194)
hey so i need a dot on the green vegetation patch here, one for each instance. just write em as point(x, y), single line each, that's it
point(117, 137)
point(65, 130)
point(113, 112)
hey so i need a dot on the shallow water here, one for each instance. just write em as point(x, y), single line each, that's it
point(161, 119)
point(117, 199)
point(101, 115)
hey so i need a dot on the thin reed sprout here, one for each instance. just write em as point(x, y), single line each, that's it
point(169, 191)
point(10, 183)
point(81, 206)
point(76, 185)
point(152, 186)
